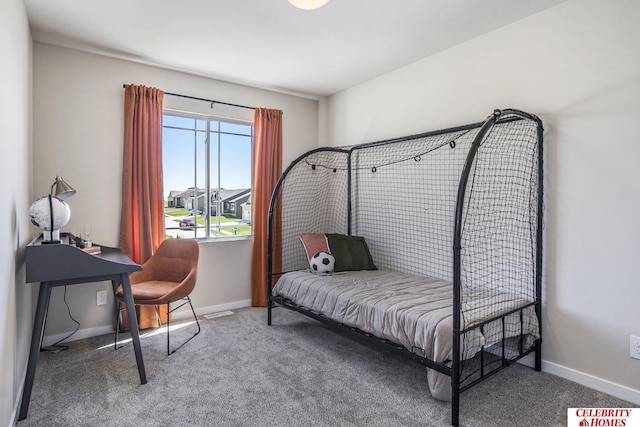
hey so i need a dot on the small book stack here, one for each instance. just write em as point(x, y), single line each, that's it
point(94, 250)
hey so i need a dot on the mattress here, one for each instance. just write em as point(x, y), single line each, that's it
point(413, 311)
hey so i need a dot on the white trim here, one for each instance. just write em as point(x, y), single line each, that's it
point(184, 313)
point(80, 334)
point(617, 390)
point(605, 386)
point(14, 413)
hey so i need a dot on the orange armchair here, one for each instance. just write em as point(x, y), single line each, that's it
point(168, 276)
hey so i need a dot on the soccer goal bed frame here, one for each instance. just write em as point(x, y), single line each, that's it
point(459, 207)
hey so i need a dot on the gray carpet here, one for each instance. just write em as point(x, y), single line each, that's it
point(240, 372)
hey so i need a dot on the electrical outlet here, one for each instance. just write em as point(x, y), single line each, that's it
point(634, 347)
point(101, 298)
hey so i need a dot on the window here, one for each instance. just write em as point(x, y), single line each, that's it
point(206, 175)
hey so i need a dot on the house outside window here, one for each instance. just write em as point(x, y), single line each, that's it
point(206, 176)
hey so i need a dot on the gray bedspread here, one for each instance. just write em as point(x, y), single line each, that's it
point(413, 311)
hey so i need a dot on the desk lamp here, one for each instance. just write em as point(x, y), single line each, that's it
point(50, 213)
point(63, 190)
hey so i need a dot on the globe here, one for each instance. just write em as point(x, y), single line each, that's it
point(41, 213)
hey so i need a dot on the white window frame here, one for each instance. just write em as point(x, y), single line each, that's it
point(207, 227)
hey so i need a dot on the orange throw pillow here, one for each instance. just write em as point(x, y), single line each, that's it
point(314, 243)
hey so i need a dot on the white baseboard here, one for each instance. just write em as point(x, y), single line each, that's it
point(588, 380)
point(14, 413)
point(184, 313)
point(80, 334)
point(103, 330)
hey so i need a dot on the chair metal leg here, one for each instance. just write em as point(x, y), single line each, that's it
point(168, 323)
point(118, 312)
point(187, 300)
point(158, 318)
point(169, 311)
point(119, 323)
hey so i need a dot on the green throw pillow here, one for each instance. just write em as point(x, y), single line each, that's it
point(351, 253)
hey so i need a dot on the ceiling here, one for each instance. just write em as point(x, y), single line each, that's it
point(269, 43)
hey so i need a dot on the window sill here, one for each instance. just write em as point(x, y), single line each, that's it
point(223, 239)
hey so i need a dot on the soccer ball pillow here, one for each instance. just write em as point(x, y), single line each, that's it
point(322, 263)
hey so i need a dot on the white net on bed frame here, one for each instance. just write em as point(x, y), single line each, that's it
point(403, 202)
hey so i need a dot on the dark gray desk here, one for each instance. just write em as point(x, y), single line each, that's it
point(61, 264)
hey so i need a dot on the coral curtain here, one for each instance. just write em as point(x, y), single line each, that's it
point(267, 168)
point(142, 212)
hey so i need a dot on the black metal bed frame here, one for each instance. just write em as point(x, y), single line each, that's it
point(452, 368)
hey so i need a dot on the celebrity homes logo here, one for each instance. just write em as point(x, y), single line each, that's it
point(603, 417)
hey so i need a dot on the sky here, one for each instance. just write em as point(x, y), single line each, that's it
point(184, 152)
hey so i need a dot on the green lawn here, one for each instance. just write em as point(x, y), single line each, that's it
point(231, 230)
point(236, 230)
point(176, 211)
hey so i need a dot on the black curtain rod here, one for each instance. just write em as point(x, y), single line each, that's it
point(212, 101)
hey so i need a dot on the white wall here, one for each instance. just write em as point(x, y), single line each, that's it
point(577, 66)
point(78, 131)
point(15, 173)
